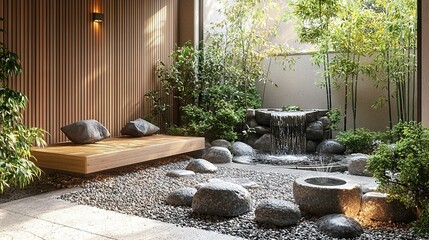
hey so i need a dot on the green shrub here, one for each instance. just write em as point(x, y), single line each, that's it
point(16, 139)
point(360, 140)
point(402, 170)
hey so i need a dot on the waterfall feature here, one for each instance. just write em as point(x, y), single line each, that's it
point(288, 133)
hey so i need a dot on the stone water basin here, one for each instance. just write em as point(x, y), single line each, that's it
point(322, 195)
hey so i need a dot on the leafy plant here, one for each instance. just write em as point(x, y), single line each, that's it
point(216, 82)
point(335, 116)
point(290, 108)
point(16, 139)
point(360, 140)
point(403, 170)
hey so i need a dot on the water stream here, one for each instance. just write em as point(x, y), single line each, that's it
point(288, 133)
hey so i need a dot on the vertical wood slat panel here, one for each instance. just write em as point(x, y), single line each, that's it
point(75, 69)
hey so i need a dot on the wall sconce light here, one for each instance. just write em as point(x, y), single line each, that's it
point(97, 17)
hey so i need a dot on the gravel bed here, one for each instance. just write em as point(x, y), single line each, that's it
point(141, 190)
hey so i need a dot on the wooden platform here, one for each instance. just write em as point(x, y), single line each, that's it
point(113, 152)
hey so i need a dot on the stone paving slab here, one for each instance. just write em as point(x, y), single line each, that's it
point(46, 217)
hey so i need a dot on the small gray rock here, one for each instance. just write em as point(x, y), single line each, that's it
point(250, 113)
point(357, 165)
point(222, 199)
point(251, 122)
point(139, 128)
point(180, 173)
point(250, 139)
point(244, 159)
point(244, 182)
point(311, 146)
point(201, 166)
point(181, 197)
point(277, 212)
point(221, 143)
point(330, 147)
point(375, 206)
point(218, 155)
point(339, 226)
point(242, 149)
point(261, 130)
point(326, 122)
point(314, 131)
point(264, 143)
point(85, 131)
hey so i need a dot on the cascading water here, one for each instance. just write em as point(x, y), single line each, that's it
point(288, 133)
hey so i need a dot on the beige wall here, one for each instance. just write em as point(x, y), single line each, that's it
point(425, 62)
point(299, 88)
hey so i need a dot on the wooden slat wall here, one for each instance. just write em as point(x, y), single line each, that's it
point(76, 69)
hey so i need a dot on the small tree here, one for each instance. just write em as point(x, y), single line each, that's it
point(16, 139)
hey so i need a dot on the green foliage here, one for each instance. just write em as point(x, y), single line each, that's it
point(216, 82)
point(16, 139)
point(403, 170)
point(289, 108)
point(335, 116)
point(360, 140)
point(358, 39)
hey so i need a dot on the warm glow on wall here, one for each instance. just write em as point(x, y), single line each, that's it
point(97, 17)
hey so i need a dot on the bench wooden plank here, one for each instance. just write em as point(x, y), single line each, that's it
point(113, 152)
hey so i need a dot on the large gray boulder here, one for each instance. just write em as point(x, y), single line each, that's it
point(222, 199)
point(139, 128)
point(85, 131)
point(330, 147)
point(181, 197)
point(242, 149)
point(201, 166)
point(218, 155)
point(264, 143)
point(263, 117)
point(357, 164)
point(221, 143)
point(375, 206)
point(277, 212)
point(339, 226)
point(314, 131)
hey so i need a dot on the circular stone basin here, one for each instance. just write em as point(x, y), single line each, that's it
point(325, 181)
point(320, 196)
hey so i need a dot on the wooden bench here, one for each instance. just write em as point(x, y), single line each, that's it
point(113, 152)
